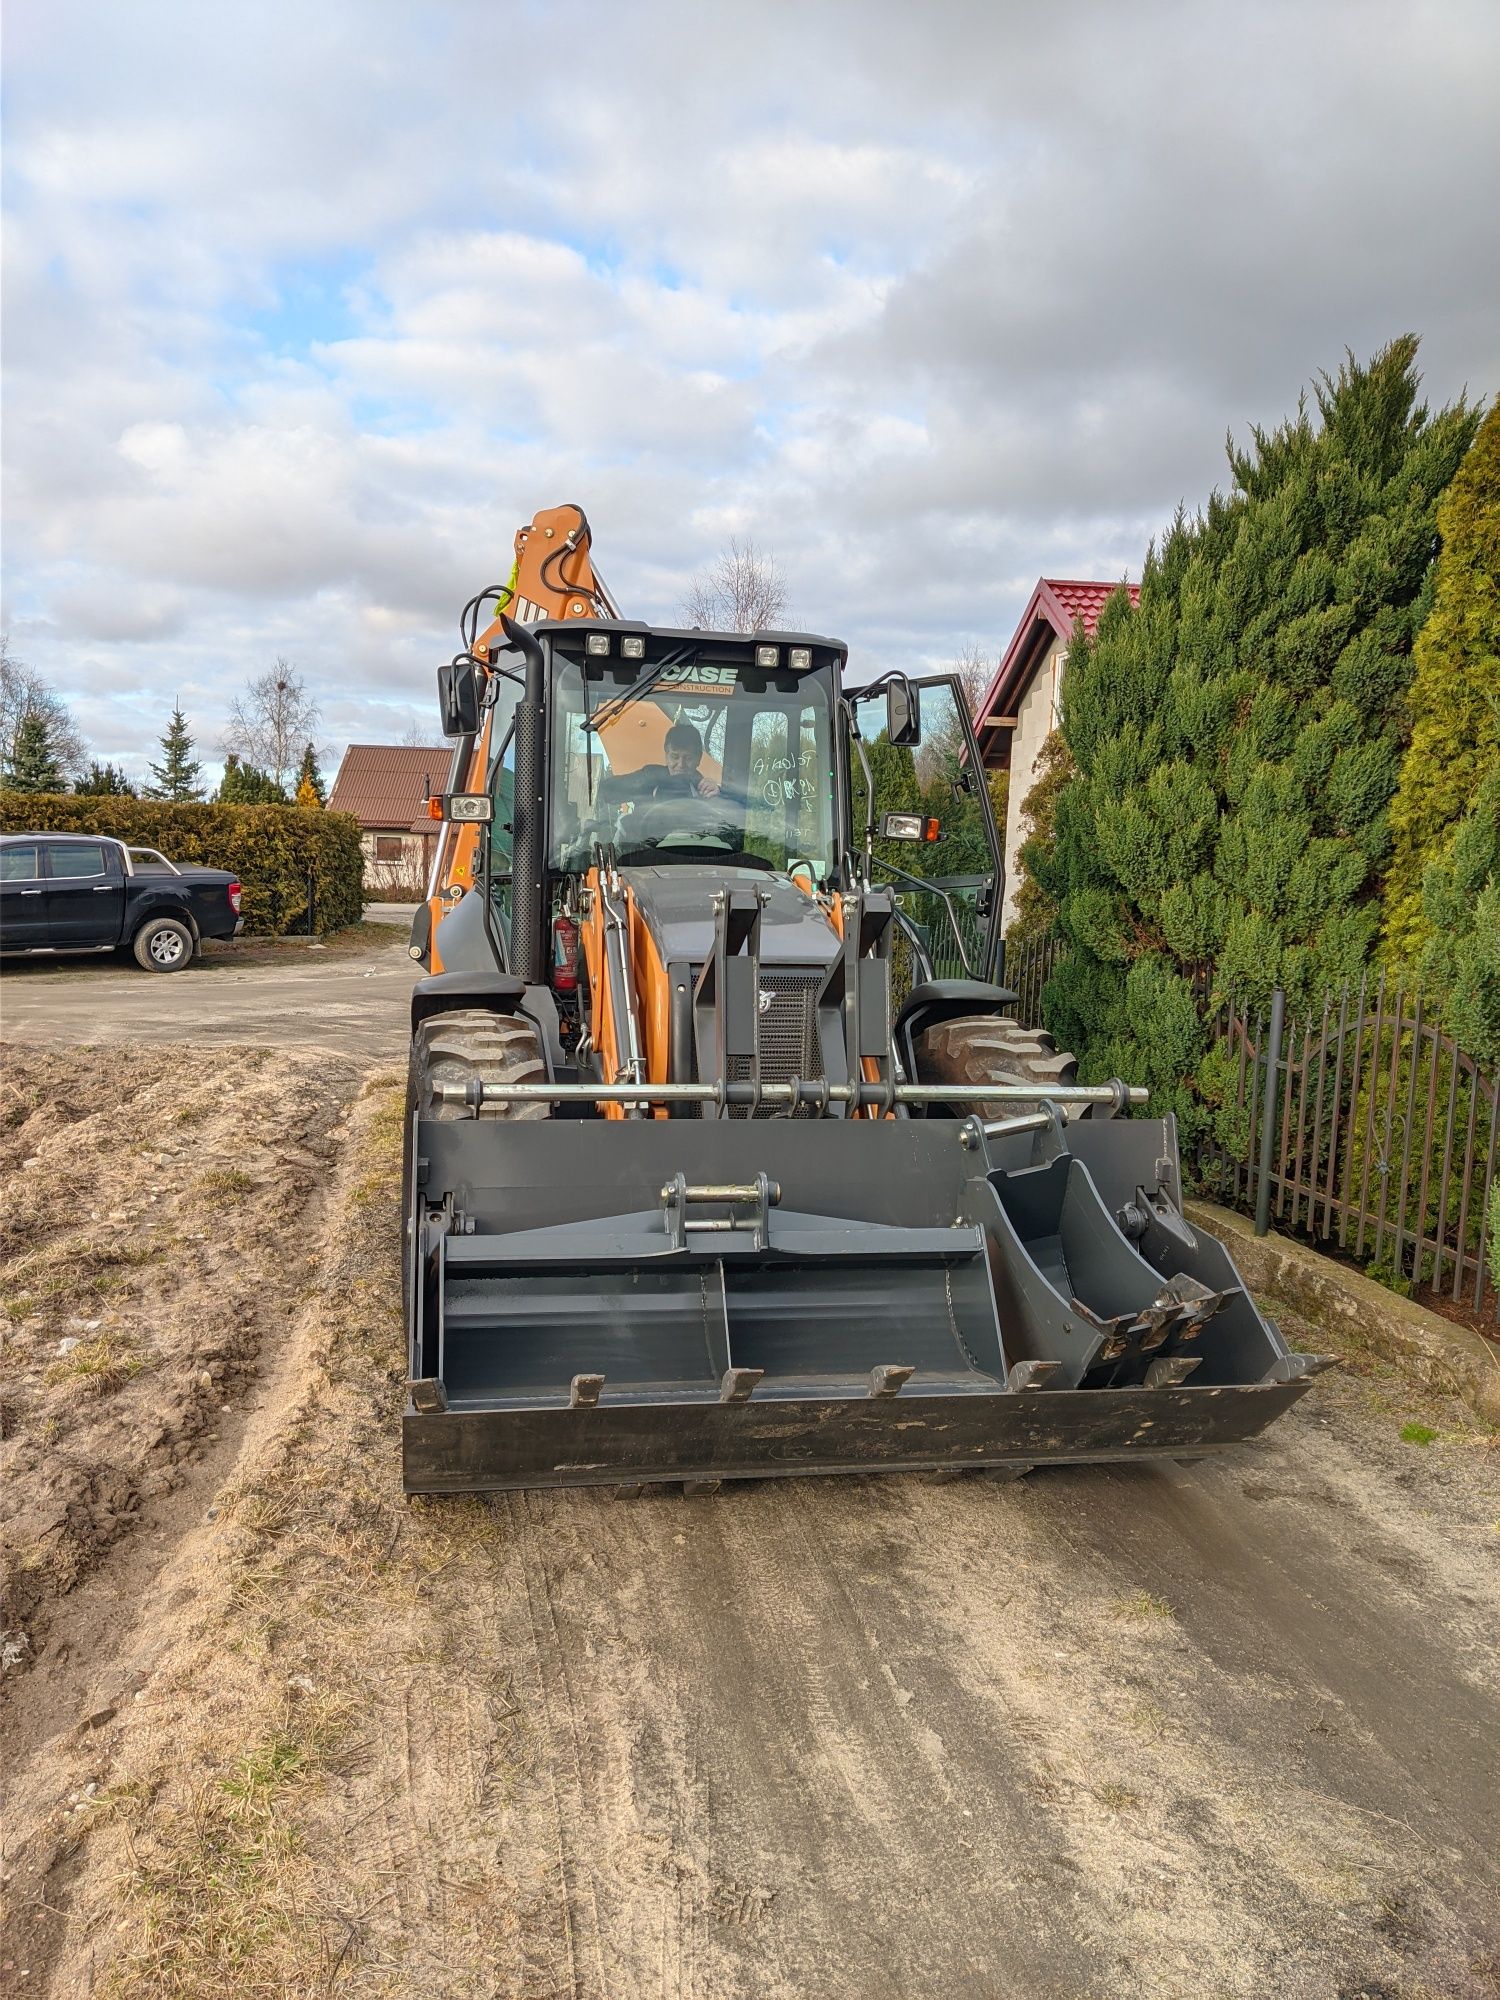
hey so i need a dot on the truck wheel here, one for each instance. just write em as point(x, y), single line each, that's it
point(163, 944)
point(989, 1049)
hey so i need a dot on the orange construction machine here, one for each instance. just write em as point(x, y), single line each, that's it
point(726, 1156)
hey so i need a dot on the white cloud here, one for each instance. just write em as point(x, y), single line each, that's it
point(307, 309)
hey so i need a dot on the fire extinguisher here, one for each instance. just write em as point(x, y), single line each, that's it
point(564, 954)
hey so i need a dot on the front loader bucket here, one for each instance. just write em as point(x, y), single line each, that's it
point(610, 1303)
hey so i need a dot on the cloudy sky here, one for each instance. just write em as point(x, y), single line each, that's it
point(306, 306)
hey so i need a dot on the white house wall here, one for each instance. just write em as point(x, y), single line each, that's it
point(1036, 718)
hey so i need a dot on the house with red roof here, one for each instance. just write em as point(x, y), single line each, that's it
point(1022, 703)
point(386, 786)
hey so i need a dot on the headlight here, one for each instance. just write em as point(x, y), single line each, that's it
point(800, 659)
point(768, 656)
point(468, 807)
point(596, 643)
point(633, 646)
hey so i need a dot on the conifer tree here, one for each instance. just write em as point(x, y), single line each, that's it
point(104, 781)
point(310, 793)
point(178, 772)
point(247, 785)
point(34, 765)
point(1455, 691)
point(1237, 737)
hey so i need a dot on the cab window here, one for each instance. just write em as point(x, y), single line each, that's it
point(19, 864)
point(76, 858)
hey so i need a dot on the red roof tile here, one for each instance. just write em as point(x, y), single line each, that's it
point(1085, 600)
point(1056, 605)
point(384, 784)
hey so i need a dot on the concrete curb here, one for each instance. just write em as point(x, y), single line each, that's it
point(1358, 1312)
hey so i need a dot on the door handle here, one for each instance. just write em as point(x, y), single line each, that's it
point(31, 892)
point(103, 888)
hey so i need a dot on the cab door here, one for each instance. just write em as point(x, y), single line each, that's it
point(948, 883)
point(23, 896)
point(85, 894)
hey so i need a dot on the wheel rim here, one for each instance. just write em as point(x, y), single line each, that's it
point(166, 947)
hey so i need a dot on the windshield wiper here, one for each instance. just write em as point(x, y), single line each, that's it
point(623, 700)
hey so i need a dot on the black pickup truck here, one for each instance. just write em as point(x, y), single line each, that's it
point(75, 892)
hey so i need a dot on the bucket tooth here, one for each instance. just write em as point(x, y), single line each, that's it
point(428, 1394)
point(890, 1378)
point(583, 1392)
point(737, 1385)
point(1030, 1375)
point(700, 1489)
point(1171, 1369)
point(628, 1490)
point(1005, 1475)
point(1299, 1367)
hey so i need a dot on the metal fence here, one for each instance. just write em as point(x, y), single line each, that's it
point(1367, 1129)
point(1028, 966)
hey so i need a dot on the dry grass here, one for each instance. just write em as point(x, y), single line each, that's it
point(1142, 1607)
point(105, 1362)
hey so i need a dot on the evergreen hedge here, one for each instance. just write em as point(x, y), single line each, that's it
point(273, 849)
point(1238, 736)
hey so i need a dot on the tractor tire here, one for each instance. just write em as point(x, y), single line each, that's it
point(452, 1048)
point(986, 1048)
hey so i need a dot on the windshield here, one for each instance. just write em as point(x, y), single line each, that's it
point(716, 762)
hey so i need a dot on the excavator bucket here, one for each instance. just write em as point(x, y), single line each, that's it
point(631, 1301)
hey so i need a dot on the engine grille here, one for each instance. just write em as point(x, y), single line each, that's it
point(789, 1043)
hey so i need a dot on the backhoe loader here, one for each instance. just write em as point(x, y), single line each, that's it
point(725, 1154)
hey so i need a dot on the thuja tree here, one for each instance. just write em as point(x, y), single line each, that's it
point(1237, 737)
point(1454, 697)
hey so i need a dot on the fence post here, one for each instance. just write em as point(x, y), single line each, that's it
point(1268, 1113)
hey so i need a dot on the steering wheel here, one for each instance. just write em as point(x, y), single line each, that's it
point(651, 823)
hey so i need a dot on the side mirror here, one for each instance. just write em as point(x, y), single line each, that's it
point(903, 714)
point(458, 698)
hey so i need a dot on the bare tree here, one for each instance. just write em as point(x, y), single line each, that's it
point(271, 722)
point(422, 736)
point(23, 693)
point(974, 670)
point(742, 591)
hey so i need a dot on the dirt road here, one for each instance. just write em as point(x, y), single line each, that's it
point(1228, 1729)
point(350, 1005)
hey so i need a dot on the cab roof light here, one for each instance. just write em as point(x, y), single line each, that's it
point(633, 646)
point(768, 656)
point(597, 643)
point(799, 659)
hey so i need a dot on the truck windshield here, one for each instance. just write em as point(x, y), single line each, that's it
point(717, 763)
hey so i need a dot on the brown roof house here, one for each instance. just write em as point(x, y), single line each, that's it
point(386, 786)
point(1020, 710)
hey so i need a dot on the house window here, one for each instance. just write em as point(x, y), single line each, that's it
point(389, 847)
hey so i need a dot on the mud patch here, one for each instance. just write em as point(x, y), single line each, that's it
point(153, 1237)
